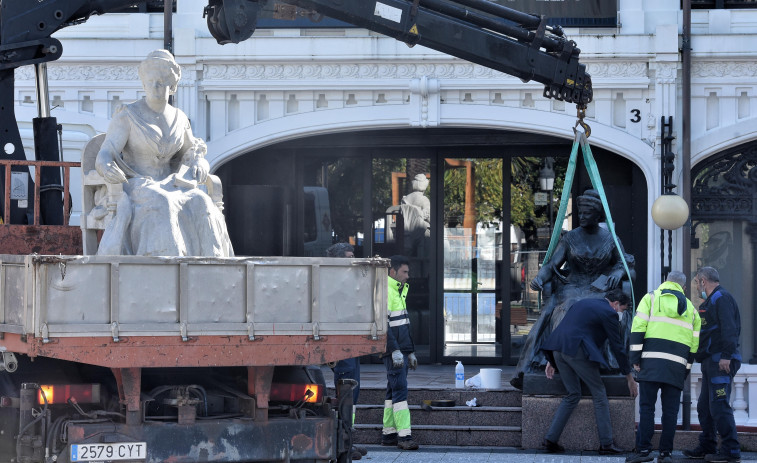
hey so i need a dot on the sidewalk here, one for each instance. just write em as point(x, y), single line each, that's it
point(435, 454)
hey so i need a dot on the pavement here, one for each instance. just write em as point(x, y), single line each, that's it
point(436, 454)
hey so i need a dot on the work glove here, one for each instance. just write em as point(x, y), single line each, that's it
point(397, 360)
point(412, 361)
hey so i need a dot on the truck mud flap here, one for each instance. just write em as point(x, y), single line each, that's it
point(229, 440)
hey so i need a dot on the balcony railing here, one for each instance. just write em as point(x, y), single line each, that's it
point(743, 396)
point(722, 4)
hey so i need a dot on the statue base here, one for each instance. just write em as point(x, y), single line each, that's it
point(538, 384)
point(580, 432)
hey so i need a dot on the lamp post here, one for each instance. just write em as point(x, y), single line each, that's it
point(547, 183)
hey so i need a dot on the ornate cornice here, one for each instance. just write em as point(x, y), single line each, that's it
point(724, 69)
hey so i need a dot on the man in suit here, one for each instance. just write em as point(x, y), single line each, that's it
point(575, 350)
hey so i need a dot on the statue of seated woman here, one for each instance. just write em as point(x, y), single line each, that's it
point(149, 149)
point(585, 264)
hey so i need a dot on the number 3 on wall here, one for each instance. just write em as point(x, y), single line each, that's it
point(636, 115)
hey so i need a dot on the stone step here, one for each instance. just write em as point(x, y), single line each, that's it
point(484, 397)
point(459, 416)
point(488, 436)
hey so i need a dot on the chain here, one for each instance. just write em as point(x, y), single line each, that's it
point(581, 113)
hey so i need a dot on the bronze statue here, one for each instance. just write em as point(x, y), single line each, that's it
point(585, 264)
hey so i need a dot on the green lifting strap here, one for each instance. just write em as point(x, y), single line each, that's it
point(596, 182)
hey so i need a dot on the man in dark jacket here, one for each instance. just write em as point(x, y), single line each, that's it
point(348, 368)
point(664, 338)
point(399, 356)
point(575, 349)
point(720, 358)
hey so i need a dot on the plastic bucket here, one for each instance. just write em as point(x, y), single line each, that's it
point(491, 378)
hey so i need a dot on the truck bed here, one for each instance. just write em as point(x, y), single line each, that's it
point(134, 311)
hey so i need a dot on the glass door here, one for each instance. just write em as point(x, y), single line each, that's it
point(401, 208)
point(473, 236)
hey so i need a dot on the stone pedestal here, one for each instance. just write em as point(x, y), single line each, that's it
point(538, 384)
point(581, 431)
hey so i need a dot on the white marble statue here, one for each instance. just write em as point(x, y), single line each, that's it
point(149, 149)
point(418, 197)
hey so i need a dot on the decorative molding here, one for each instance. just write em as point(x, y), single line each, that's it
point(123, 72)
point(348, 71)
point(724, 186)
point(88, 72)
point(614, 70)
point(724, 69)
point(85, 72)
point(665, 73)
point(394, 71)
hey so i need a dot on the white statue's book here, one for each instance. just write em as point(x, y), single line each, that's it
point(184, 178)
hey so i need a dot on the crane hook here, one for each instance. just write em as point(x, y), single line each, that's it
point(581, 113)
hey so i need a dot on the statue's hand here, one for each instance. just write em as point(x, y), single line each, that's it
point(200, 169)
point(536, 284)
point(614, 278)
point(112, 173)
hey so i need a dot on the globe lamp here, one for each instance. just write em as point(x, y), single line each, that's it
point(670, 211)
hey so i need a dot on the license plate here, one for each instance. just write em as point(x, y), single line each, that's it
point(106, 452)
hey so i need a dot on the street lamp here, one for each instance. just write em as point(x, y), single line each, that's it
point(547, 183)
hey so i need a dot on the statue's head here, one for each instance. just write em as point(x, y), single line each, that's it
point(420, 183)
point(163, 63)
point(590, 211)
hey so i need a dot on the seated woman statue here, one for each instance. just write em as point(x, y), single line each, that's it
point(585, 264)
point(150, 149)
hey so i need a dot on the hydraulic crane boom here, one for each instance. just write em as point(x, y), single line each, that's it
point(479, 31)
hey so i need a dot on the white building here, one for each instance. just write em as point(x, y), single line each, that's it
point(352, 111)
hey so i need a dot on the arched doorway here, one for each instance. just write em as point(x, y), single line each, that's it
point(724, 221)
point(468, 276)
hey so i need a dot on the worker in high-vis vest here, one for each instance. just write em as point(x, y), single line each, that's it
point(399, 356)
point(664, 339)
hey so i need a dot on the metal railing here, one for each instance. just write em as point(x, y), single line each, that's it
point(38, 165)
point(723, 4)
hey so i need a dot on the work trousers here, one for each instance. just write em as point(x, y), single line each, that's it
point(396, 411)
point(670, 397)
point(714, 408)
point(573, 370)
point(349, 369)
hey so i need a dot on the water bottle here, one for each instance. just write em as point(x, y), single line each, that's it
point(459, 375)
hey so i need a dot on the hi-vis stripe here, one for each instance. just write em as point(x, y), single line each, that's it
point(664, 356)
point(643, 316)
point(637, 347)
point(398, 318)
point(672, 321)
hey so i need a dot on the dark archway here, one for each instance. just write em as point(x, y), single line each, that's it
point(266, 199)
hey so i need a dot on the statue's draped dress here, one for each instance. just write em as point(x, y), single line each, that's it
point(156, 217)
point(587, 257)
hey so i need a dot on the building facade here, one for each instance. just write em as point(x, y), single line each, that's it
point(322, 134)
